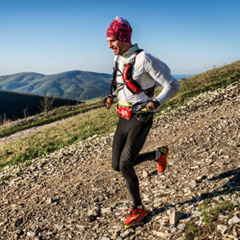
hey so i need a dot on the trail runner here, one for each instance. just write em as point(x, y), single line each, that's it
point(135, 74)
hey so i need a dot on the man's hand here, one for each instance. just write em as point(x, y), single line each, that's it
point(146, 112)
point(153, 104)
point(108, 101)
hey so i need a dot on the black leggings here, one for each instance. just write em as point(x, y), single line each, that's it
point(128, 141)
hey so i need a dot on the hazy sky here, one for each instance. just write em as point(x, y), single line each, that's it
point(53, 36)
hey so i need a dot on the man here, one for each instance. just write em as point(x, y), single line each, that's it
point(135, 74)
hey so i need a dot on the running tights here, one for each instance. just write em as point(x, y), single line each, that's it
point(128, 141)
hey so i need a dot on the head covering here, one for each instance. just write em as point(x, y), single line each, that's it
point(120, 29)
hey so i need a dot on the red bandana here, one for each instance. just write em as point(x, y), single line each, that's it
point(120, 29)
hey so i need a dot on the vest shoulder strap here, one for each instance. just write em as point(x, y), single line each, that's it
point(132, 60)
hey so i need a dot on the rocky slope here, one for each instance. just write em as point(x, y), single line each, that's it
point(74, 193)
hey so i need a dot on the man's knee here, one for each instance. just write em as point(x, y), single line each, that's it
point(115, 167)
point(127, 170)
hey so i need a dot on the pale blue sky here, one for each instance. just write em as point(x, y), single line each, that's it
point(53, 36)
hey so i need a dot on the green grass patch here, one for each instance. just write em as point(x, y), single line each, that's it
point(5, 178)
point(52, 116)
point(98, 121)
point(210, 215)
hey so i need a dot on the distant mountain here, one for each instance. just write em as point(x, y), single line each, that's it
point(24, 92)
point(181, 76)
point(78, 85)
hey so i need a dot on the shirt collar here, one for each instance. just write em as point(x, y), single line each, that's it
point(130, 51)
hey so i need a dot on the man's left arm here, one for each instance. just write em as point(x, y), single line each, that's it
point(161, 73)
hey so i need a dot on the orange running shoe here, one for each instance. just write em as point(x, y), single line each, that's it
point(162, 161)
point(135, 216)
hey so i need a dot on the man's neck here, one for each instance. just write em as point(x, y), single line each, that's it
point(127, 47)
point(129, 52)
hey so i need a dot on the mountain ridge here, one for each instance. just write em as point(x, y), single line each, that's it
point(74, 84)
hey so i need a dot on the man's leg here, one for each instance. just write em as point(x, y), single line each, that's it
point(137, 133)
point(118, 144)
point(128, 141)
point(145, 157)
point(160, 156)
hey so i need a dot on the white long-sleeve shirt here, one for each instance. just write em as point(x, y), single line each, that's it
point(147, 70)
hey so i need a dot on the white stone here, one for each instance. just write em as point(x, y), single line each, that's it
point(175, 216)
point(233, 220)
point(222, 228)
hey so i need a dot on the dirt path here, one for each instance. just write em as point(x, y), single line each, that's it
point(30, 131)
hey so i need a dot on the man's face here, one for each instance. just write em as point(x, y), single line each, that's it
point(117, 46)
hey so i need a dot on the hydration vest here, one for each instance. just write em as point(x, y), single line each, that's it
point(131, 84)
